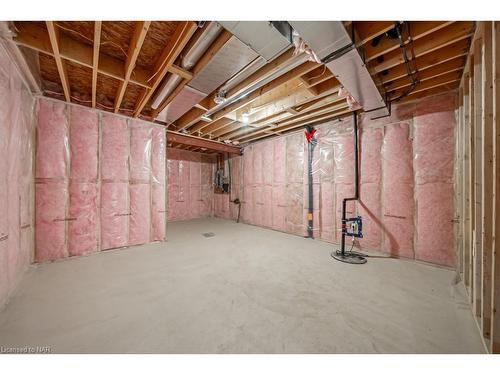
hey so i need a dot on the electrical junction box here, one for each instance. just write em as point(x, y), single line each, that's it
point(354, 227)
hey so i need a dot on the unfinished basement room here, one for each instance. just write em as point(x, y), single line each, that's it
point(249, 187)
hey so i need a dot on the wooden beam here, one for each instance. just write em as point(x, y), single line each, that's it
point(450, 34)
point(442, 55)
point(140, 30)
point(413, 32)
point(190, 140)
point(495, 293)
point(446, 79)
point(209, 127)
point(478, 141)
point(37, 38)
point(183, 73)
point(438, 70)
point(487, 175)
point(181, 36)
point(467, 249)
point(61, 67)
point(301, 119)
point(95, 60)
point(312, 121)
point(472, 182)
point(368, 30)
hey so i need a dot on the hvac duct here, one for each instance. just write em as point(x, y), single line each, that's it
point(228, 61)
point(333, 45)
point(188, 61)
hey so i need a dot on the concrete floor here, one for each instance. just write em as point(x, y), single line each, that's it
point(246, 290)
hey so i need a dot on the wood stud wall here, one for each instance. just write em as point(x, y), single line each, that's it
point(478, 182)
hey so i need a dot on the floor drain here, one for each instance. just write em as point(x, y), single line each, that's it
point(208, 234)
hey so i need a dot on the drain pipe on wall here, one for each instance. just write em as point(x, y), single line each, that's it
point(351, 226)
point(311, 144)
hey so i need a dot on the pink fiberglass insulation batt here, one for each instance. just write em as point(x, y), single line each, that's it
point(82, 224)
point(84, 144)
point(130, 187)
point(140, 151)
point(16, 177)
point(52, 140)
point(395, 172)
point(140, 216)
point(190, 186)
point(397, 194)
point(50, 220)
point(158, 164)
point(434, 145)
point(115, 148)
point(114, 215)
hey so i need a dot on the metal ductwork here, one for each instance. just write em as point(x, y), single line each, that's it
point(228, 61)
point(333, 45)
point(261, 36)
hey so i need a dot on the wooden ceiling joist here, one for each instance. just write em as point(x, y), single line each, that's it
point(182, 34)
point(190, 140)
point(54, 36)
point(438, 70)
point(140, 31)
point(311, 121)
point(37, 38)
point(431, 83)
point(458, 49)
point(368, 30)
point(444, 37)
point(95, 60)
point(417, 30)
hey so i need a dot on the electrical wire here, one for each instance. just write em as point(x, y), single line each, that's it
point(409, 70)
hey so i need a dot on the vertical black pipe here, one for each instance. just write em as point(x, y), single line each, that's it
point(356, 186)
point(310, 147)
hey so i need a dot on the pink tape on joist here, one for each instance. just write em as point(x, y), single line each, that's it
point(84, 143)
point(158, 155)
point(159, 212)
point(82, 227)
point(140, 214)
point(140, 151)
point(115, 148)
point(52, 140)
point(50, 221)
point(114, 215)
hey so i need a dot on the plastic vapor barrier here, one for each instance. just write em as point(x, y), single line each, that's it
point(16, 178)
point(406, 181)
point(98, 183)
